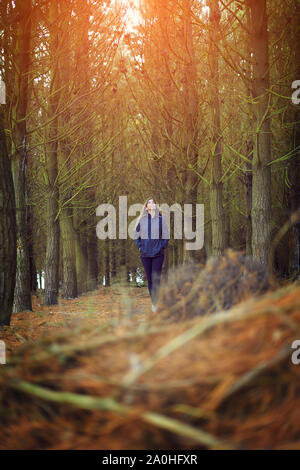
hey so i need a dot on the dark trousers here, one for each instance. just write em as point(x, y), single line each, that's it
point(153, 268)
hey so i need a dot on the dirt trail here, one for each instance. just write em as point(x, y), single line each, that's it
point(112, 306)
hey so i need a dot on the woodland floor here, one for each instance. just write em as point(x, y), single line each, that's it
point(114, 306)
point(149, 385)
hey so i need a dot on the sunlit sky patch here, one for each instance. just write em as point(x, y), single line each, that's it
point(132, 16)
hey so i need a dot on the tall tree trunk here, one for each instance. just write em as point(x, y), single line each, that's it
point(191, 179)
point(68, 235)
point(86, 243)
point(22, 36)
point(167, 85)
point(7, 231)
point(294, 165)
point(81, 259)
point(249, 142)
point(261, 171)
point(53, 233)
point(216, 190)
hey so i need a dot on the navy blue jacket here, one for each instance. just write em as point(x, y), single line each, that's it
point(148, 246)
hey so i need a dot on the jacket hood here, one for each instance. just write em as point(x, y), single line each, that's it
point(145, 212)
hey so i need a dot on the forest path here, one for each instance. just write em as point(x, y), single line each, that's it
point(112, 306)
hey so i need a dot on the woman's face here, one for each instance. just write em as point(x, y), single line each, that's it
point(151, 205)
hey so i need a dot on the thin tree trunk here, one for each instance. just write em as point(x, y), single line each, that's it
point(226, 197)
point(248, 197)
point(81, 261)
point(82, 83)
point(216, 191)
point(261, 182)
point(7, 231)
point(68, 234)
point(92, 252)
point(53, 242)
point(123, 268)
point(191, 121)
point(113, 245)
point(69, 289)
point(249, 145)
point(107, 262)
point(22, 32)
point(53, 233)
point(294, 165)
point(33, 272)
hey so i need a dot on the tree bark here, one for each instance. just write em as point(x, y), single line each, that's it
point(7, 231)
point(294, 165)
point(53, 232)
point(191, 179)
point(248, 197)
point(22, 37)
point(261, 171)
point(216, 189)
point(81, 259)
point(106, 255)
point(92, 252)
point(68, 234)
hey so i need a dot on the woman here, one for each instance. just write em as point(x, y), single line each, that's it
point(148, 237)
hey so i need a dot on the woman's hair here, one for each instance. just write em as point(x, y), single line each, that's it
point(144, 211)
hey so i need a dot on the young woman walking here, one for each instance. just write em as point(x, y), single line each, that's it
point(151, 238)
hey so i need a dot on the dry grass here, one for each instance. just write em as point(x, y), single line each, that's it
point(224, 380)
